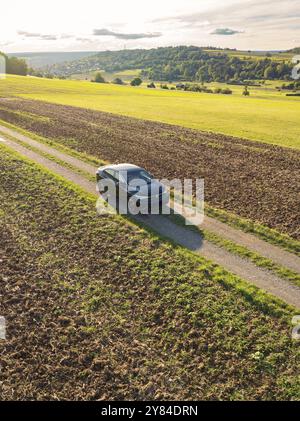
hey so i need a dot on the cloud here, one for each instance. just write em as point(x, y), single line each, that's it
point(5, 43)
point(225, 31)
point(49, 37)
point(253, 13)
point(66, 36)
point(29, 34)
point(82, 39)
point(46, 37)
point(107, 33)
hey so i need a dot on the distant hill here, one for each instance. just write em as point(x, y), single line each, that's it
point(187, 63)
point(42, 60)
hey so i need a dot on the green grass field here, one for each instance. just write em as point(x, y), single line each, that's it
point(253, 55)
point(267, 115)
point(125, 75)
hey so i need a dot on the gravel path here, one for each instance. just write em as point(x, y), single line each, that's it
point(276, 254)
point(192, 240)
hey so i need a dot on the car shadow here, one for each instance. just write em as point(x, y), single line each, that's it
point(169, 225)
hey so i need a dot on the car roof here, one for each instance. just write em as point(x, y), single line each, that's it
point(122, 167)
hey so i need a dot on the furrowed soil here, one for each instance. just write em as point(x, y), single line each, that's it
point(254, 180)
point(98, 309)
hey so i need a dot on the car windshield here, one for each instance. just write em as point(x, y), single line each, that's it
point(139, 175)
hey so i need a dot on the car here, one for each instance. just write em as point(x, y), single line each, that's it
point(132, 181)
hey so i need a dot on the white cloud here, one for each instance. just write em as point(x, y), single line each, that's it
point(119, 35)
point(226, 31)
point(65, 25)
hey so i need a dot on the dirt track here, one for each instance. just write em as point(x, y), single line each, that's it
point(276, 254)
point(189, 239)
point(251, 179)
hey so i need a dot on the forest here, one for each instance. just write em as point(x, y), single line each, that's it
point(186, 63)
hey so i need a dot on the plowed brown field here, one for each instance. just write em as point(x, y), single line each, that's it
point(254, 180)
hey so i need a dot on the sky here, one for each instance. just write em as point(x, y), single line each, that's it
point(96, 25)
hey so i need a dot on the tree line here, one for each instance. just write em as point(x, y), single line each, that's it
point(182, 63)
point(15, 65)
point(221, 67)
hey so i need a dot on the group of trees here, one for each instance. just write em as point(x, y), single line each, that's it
point(151, 85)
point(15, 65)
point(118, 81)
point(183, 63)
point(98, 78)
point(218, 68)
point(137, 81)
point(191, 87)
point(293, 86)
point(195, 87)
